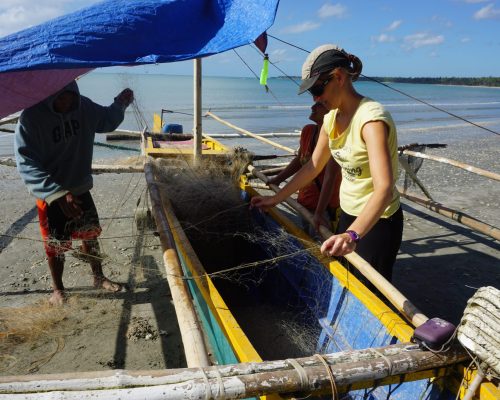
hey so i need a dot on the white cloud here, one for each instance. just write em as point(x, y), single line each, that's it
point(465, 40)
point(422, 39)
point(476, 1)
point(16, 15)
point(332, 10)
point(383, 38)
point(303, 27)
point(488, 12)
point(394, 25)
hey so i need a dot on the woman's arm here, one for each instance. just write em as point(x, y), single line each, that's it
point(375, 135)
point(305, 175)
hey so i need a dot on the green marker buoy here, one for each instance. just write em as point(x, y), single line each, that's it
point(264, 71)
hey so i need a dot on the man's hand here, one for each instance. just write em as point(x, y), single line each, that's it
point(70, 206)
point(125, 97)
point(318, 220)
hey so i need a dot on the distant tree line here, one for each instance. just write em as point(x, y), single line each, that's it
point(486, 81)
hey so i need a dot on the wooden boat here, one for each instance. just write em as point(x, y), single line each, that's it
point(165, 145)
point(322, 298)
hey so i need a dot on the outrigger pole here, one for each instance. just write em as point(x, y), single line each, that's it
point(197, 110)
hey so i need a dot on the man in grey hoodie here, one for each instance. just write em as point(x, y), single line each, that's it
point(54, 143)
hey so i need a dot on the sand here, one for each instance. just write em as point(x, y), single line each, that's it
point(97, 330)
point(440, 265)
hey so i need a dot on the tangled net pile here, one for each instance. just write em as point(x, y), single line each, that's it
point(219, 225)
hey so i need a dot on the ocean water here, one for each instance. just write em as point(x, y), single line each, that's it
point(246, 104)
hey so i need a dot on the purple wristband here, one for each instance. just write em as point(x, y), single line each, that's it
point(354, 236)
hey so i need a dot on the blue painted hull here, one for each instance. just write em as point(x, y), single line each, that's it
point(337, 318)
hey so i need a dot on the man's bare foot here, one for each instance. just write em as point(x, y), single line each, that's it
point(58, 298)
point(104, 283)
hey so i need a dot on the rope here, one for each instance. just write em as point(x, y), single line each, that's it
point(430, 105)
point(304, 379)
point(479, 327)
point(389, 363)
point(401, 92)
point(333, 385)
point(208, 390)
point(258, 78)
point(222, 392)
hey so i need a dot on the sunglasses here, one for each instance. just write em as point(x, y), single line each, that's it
point(317, 90)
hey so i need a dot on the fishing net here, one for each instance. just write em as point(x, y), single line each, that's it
point(245, 257)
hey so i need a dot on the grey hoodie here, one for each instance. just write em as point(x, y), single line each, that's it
point(54, 150)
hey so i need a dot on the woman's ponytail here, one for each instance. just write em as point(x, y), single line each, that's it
point(356, 66)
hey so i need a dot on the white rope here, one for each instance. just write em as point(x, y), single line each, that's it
point(304, 379)
point(389, 363)
point(222, 392)
point(208, 390)
point(480, 326)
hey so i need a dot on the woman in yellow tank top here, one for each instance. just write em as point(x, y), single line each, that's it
point(361, 137)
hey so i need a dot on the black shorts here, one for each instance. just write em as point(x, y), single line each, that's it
point(381, 244)
point(58, 230)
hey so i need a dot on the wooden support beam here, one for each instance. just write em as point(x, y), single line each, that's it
point(350, 370)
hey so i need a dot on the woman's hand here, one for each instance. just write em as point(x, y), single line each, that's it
point(264, 203)
point(338, 245)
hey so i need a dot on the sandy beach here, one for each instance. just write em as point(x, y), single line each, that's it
point(440, 265)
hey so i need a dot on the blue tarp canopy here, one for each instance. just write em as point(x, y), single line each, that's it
point(38, 61)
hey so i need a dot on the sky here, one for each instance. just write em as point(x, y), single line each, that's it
point(425, 38)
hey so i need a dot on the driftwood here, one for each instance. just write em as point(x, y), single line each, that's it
point(455, 215)
point(192, 337)
point(467, 167)
point(342, 371)
point(397, 299)
point(247, 133)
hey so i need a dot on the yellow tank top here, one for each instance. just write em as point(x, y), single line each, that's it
point(350, 152)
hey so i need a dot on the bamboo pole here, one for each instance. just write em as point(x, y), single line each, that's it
point(397, 299)
point(96, 168)
point(197, 98)
point(458, 164)
point(273, 171)
point(247, 133)
point(11, 119)
point(115, 169)
point(455, 215)
point(192, 337)
point(350, 370)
